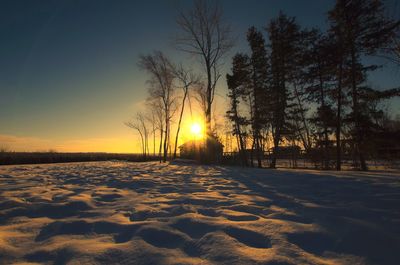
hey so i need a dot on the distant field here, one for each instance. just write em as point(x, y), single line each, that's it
point(16, 158)
point(21, 158)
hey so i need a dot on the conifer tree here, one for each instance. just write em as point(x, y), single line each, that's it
point(238, 82)
point(319, 77)
point(284, 38)
point(258, 89)
point(362, 29)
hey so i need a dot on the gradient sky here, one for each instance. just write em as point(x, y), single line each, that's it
point(68, 73)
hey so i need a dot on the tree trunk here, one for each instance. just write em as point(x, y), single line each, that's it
point(251, 154)
point(258, 148)
point(209, 102)
point(359, 142)
point(161, 143)
point(326, 138)
point(243, 151)
point(146, 146)
point(179, 122)
point(165, 143)
point(274, 152)
point(154, 141)
point(142, 142)
point(339, 119)
point(306, 140)
point(242, 147)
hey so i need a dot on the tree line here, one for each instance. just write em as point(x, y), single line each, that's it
point(309, 88)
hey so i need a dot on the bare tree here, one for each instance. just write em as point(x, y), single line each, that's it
point(161, 87)
point(135, 126)
point(142, 122)
point(157, 109)
point(152, 118)
point(138, 123)
point(186, 79)
point(204, 34)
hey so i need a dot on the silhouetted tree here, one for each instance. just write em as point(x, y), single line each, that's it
point(204, 34)
point(310, 87)
point(186, 80)
point(139, 124)
point(299, 129)
point(258, 88)
point(161, 87)
point(155, 104)
point(320, 63)
point(151, 116)
point(284, 37)
point(237, 86)
point(362, 29)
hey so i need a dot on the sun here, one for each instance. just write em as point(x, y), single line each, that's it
point(196, 130)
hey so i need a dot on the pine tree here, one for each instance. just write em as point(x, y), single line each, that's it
point(237, 86)
point(362, 29)
point(258, 89)
point(284, 37)
point(319, 77)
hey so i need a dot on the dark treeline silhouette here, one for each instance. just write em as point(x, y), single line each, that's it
point(15, 158)
point(303, 87)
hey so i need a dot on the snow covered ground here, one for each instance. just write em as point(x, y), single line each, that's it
point(151, 213)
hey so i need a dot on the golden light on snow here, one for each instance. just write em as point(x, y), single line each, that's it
point(196, 130)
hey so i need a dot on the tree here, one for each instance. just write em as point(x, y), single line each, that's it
point(362, 29)
point(203, 34)
point(237, 86)
point(186, 79)
point(161, 88)
point(320, 62)
point(139, 124)
point(259, 88)
point(158, 110)
point(152, 118)
point(284, 37)
point(298, 128)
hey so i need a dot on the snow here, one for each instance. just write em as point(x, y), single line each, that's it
point(180, 213)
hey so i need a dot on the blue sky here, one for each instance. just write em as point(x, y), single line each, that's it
point(68, 72)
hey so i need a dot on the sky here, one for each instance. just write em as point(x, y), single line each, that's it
point(68, 69)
